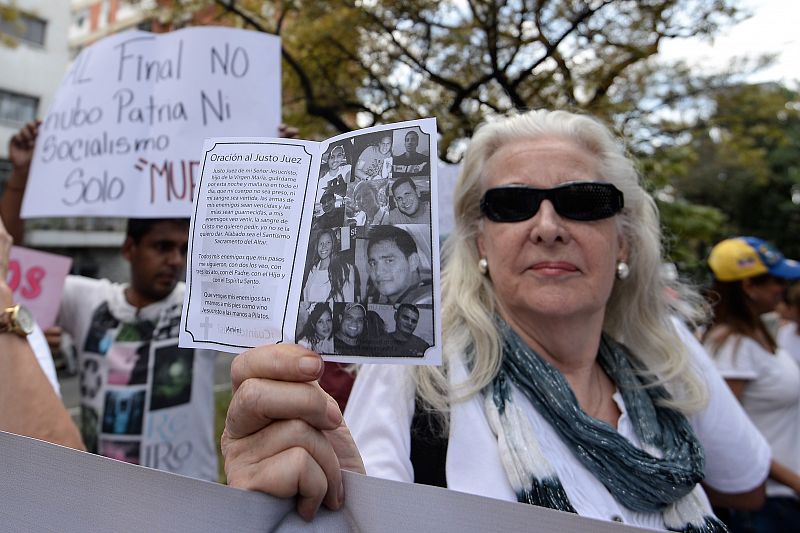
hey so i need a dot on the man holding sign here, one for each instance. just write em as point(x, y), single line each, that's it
point(143, 399)
point(122, 138)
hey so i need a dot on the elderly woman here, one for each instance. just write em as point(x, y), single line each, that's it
point(553, 264)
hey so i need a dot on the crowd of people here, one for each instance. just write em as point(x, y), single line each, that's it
point(576, 375)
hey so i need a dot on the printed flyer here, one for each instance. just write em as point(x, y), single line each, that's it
point(333, 245)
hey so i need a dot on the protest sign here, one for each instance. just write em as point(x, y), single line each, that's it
point(127, 124)
point(37, 281)
point(448, 176)
point(318, 243)
point(52, 488)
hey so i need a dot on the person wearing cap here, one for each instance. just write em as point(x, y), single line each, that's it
point(337, 379)
point(335, 173)
point(332, 216)
point(347, 340)
point(750, 277)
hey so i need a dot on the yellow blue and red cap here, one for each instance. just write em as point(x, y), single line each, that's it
point(746, 257)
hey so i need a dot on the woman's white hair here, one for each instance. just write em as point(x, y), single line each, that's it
point(638, 312)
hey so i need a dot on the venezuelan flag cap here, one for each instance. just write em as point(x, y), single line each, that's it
point(746, 257)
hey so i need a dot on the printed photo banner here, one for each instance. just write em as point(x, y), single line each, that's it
point(51, 488)
point(37, 281)
point(125, 132)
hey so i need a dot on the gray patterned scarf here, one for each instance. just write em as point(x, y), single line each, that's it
point(662, 477)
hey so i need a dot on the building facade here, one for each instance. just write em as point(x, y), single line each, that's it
point(94, 19)
point(33, 66)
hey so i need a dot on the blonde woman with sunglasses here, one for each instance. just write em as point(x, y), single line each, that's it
point(564, 383)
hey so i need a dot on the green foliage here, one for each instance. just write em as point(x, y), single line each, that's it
point(351, 63)
point(9, 13)
point(354, 63)
point(743, 160)
point(689, 230)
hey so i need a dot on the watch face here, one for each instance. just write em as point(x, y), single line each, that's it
point(25, 319)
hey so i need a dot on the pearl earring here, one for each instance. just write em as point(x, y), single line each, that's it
point(483, 266)
point(623, 270)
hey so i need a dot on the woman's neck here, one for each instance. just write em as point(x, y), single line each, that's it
point(571, 345)
point(323, 263)
point(568, 343)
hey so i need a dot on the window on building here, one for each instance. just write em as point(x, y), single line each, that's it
point(18, 108)
point(25, 28)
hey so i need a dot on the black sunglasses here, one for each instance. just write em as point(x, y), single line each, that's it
point(576, 201)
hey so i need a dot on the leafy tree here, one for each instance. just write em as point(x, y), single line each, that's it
point(360, 62)
point(743, 159)
point(352, 63)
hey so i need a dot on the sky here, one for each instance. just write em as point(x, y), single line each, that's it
point(773, 28)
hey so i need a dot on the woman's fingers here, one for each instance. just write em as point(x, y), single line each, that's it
point(283, 362)
point(284, 435)
point(285, 459)
point(258, 402)
point(346, 449)
point(288, 474)
point(278, 382)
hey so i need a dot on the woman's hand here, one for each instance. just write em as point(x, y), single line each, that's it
point(284, 435)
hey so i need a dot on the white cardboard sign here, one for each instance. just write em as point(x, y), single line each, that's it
point(37, 280)
point(127, 125)
point(52, 488)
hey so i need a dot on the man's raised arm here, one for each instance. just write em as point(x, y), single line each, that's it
point(20, 153)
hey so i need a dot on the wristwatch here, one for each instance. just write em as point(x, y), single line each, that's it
point(17, 319)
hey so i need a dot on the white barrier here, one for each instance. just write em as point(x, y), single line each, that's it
point(51, 488)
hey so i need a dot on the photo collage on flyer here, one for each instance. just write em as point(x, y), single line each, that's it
point(367, 281)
